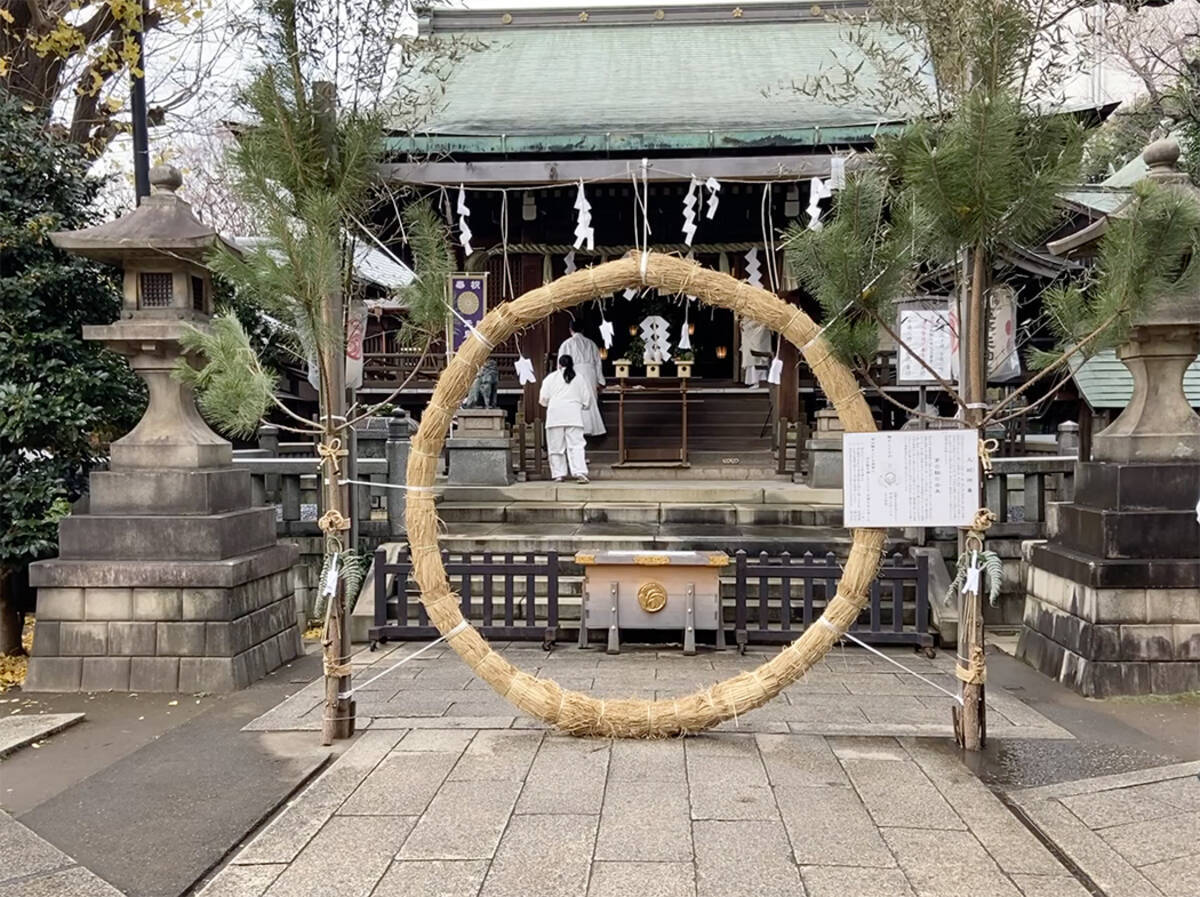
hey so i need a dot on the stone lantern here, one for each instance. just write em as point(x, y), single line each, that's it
point(1158, 424)
point(171, 580)
point(1113, 595)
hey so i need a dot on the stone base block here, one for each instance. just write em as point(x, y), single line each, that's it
point(169, 491)
point(1109, 641)
point(824, 463)
point(171, 638)
point(479, 462)
point(207, 537)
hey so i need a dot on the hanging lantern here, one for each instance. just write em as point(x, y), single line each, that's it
point(603, 354)
point(722, 351)
point(633, 331)
point(691, 329)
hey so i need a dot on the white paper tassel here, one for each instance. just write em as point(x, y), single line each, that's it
point(775, 372)
point(524, 369)
point(689, 212)
point(685, 338)
point(584, 232)
point(753, 268)
point(628, 293)
point(464, 229)
point(569, 263)
point(656, 334)
point(837, 172)
point(713, 186)
point(329, 585)
point(606, 332)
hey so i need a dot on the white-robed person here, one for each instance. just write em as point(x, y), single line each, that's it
point(586, 356)
point(566, 396)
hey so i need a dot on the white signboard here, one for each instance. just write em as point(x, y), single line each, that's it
point(911, 478)
point(927, 333)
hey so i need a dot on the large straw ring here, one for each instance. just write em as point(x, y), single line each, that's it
point(581, 714)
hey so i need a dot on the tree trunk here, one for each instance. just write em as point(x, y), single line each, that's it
point(12, 613)
point(339, 709)
point(971, 726)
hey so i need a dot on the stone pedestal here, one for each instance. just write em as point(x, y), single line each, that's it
point(480, 450)
point(825, 451)
point(1113, 597)
point(170, 582)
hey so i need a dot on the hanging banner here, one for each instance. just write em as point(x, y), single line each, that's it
point(911, 478)
point(468, 299)
point(356, 329)
point(1004, 363)
point(927, 335)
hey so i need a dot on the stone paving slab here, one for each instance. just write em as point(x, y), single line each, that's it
point(18, 730)
point(1131, 835)
point(31, 866)
point(850, 692)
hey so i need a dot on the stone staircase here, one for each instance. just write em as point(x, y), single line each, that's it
point(633, 514)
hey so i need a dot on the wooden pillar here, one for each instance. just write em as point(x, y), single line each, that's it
point(535, 345)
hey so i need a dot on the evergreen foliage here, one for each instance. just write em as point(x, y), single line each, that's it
point(1148, 256)
point(856, 265)
point(61, 399)
point(230, 384)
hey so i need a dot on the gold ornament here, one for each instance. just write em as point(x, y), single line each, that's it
point(652, 597)
point(583, 16)
point(506, 19)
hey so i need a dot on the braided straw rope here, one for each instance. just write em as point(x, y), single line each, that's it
point(573, 712)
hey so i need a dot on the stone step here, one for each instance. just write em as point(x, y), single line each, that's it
point(712, 513)
point(627, 491)
point(567, 538)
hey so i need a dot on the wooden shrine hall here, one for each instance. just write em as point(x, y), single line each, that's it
point(668, 123)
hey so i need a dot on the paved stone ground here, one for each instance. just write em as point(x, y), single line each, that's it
point(33, 867)
point(19, 730)
point(826, 793)
point(850, 692)
point(1135, 834)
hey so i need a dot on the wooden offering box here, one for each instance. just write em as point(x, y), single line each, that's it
point(652, 590)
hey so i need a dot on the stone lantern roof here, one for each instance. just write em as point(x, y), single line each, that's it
point(163, 225)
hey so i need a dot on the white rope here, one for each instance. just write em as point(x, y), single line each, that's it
point(896, 663)
point(385, 485)
point(462, 624)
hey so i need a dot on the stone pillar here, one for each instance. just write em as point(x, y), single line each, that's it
point(396, 450)
point(825, 451)
point(480, 449)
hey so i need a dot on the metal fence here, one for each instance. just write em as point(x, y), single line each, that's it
point(508, 604)
point(777, 598)
point(514, 596)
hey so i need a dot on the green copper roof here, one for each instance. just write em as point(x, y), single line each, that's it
point(613, 88)
point(1105, 382)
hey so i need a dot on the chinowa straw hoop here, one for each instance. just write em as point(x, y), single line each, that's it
point(570, 711)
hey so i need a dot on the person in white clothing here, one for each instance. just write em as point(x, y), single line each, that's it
point(565, 395)
point(586, 356)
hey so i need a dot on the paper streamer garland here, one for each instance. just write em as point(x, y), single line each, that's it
point(464, 229)
point(753, 268)
point(524, 369)
point(817, 191)
point(569, 266)
point(606, 330)
point(837, 173)
point(689, 212)
point(584, 232)
point(713, 186)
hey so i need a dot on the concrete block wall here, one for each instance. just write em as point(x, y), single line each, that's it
point(186, 640)
point(1105, 642)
